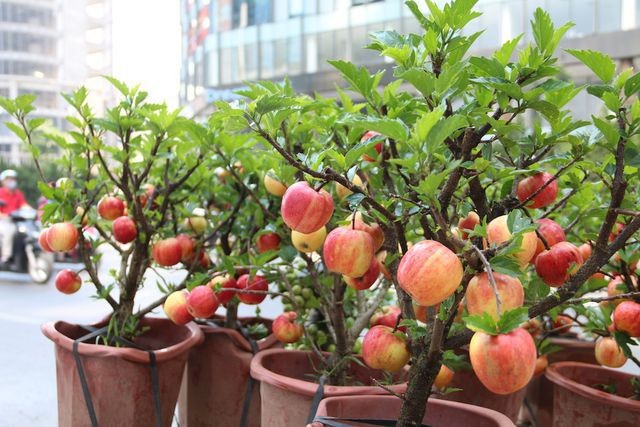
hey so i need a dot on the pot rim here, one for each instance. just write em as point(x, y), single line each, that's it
point(552, 373)
point(309, 388)
point(503, 420)
point(237, 337)
point(195, 337)
point(572, 342)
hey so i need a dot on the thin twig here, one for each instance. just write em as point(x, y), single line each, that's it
point(492, 279)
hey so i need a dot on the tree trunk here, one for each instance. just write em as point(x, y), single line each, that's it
point(231, 318)
point(423, 374)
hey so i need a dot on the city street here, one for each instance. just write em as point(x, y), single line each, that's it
point(27, 364)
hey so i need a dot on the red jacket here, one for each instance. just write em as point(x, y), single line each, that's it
point(13, 200)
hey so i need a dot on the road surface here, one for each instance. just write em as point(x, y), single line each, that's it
point(27, 364)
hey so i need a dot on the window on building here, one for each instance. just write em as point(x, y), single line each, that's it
point(26, 14)
point(361, 2)
point(296, 8)
point(583, 16)
point(280, 58)
point(294, 55)
point(267, 57)
point(609, 15)
point(249, 63)
point(325, 50)
point(28, 68)
point(327, 6)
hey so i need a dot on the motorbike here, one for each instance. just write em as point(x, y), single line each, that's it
point(28, 257)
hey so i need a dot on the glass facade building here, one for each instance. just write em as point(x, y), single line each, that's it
point(227, 42)
point(48, 47)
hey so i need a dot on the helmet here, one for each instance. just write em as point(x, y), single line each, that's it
point(8, 173)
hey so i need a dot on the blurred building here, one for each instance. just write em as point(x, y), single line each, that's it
point(227, 42)
point(48, 47)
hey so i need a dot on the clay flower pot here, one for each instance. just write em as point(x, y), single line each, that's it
point(540, 390)
point(217, 375)
point(439, 413)
point(287, 386)
point(119, 378)
point(577, 403)
point(475, 393)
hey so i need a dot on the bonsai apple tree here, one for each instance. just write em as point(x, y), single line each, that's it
point(138, 179)
point(485, 187)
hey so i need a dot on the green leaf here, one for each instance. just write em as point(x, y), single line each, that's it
point(455, 362)
point(420, 79)
point(503, 55)
point(20, 133)
point(269, 103)
point(542, 28)
point(8, 105)
point(505, 264)
point(602, 65)
point(444, 129)
point(500, 84)
point(122, 88)
point(288, 253)
point(359, 149)
point(481, 323)
point(46, 190)
point(625, 342)
point(512, 319)
point(354, 200)
point(25, 101)
point(632, 85)
point(609, 131)
point(426, 122)
point(413, 7)
point(393, 128)
point(489, 66)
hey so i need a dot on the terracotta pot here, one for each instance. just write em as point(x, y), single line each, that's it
point(119, 378)
point(540, 390)
point(475, 393)
point(215, 381)
point(439, 413)
point(577, 403)
point(287, 385)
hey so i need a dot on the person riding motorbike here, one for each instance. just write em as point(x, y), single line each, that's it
point(12, 199)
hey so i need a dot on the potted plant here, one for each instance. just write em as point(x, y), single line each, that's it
point(132, 177)
point(444, 161)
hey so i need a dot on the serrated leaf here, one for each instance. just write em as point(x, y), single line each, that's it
point(420, 79)
point(288, 253)
point(267, 104)
point(17, 130)
point(505, 264)
point(354, 200)
point(393, 128)
point(632, 85)
point(609, 131)
point(359, 149)
point(444, 129)
point(602, 65)
point(542, 28)
point(512, 319)
point(481, 323)
point(122, 88)
point(503, 55)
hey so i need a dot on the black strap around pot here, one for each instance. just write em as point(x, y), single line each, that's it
point(340, 422)
point(316, 399)
point(155, 383)
point(251, 383)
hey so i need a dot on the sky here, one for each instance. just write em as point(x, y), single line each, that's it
point(146, 46)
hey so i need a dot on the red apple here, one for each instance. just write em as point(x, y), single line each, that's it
point(378, 147)
point(258, 283)
point(585, 251)
point(348, 251)
point(68, 281)
point(367, 279)
point(562, 324)
point(110, 208)
point(429, 272)
point(167, 252)
point(552, 233)
point(268, 242)
point(224, 286)
point(617, 228)
point(626, 317)
point(444, 377)
point(608, 353)
point(42, 240)
point(384, 349)
point(187, 247)
point(62, 237)
point(124, 229)
point(304, 209)
point(176, 307)
point(530, 185)
point(557, 264)
point(503, 363)
point(374, 230)
point(202, 302)
point(498, 233)
point(468, 223)
point(285, 328)
point(387, 316)
point(480, 297)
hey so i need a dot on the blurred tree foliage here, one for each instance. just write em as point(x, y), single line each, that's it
point(28, 177)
